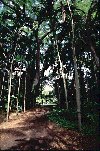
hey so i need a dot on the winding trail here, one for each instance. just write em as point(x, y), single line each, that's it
point(33, 131)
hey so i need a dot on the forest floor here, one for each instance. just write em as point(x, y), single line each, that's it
point(33, 131)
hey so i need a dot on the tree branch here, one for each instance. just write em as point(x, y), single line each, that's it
point(46, 34)
point(7, 5)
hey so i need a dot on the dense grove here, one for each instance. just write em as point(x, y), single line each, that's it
point(36, 35)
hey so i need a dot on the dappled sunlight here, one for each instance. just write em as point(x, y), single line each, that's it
point(49, 75)
point(32, 130)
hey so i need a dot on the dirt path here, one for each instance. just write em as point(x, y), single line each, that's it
point(32, 130)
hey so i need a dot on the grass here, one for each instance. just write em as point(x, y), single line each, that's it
point(57, 117)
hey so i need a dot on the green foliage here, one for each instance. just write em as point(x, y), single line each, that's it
point(20, 58)
point(46, 99)
point(56, 117)
point(62, 118)
point(89, 129)
point(22, 23)
point(84, 5)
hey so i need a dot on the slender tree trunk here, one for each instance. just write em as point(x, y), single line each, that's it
point(1, 93)
point(76, 72)
point(9, 91)
point(63, 76)
point(58, 94)
point(10, 78)
point(95, 56)
point(18, 92)
point(2, 86)
point(17, 106)
point(37, 76)
point(25, 95)
point(41, 91)
point(87, 90)
point(77, 93)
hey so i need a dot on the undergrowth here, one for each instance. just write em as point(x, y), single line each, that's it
point(68, 119)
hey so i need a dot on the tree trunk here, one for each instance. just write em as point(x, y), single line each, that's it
point(18, 92)
point(76, 72)
point(1, 92)
point(77, 92)
point(36, 82)
point(87, 90)
point(58, 92)
point(37, 76)
point(2, 86)
point(10, 77)
point(25, 95)
point(95, 56)
point(9, 91)
point(63, 76)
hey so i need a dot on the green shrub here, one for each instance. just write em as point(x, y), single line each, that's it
point(68, 119)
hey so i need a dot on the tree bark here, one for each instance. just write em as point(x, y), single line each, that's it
point(18, 92)
point(25, 95)
point(76, 72)
point(78, 101)
point(36, 81)
point(9, 91)
point(10, 79)
point(63, 76)
point(95, 56)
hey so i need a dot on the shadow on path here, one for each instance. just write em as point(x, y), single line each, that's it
point(32, 131)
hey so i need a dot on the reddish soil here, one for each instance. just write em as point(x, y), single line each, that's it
point(32, 131)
